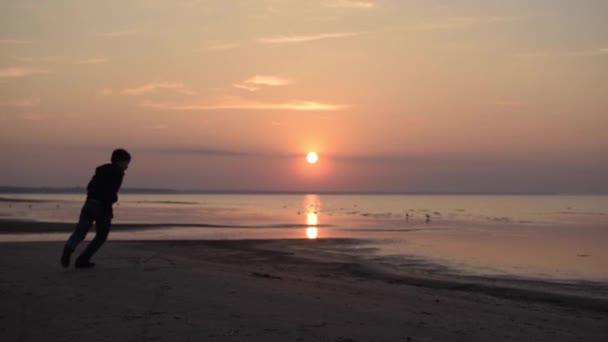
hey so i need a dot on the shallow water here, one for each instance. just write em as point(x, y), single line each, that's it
point(556, 237)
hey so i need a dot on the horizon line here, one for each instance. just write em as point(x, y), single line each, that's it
point(144, 190)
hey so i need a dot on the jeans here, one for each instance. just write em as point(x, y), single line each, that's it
point(92, 210)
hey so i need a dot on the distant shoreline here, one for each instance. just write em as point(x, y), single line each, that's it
point(144, 191)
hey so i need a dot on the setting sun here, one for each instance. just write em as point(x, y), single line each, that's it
point(312, 157)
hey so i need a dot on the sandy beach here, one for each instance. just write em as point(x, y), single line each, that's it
point(271, 290)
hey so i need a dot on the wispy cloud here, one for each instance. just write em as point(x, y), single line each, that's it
point(30, 102)
point(245, 105)
point(280, 39)
point(349, 4)
point(322, 18)
point(507, 103)
point(122, 33)
point(27, 6)
point(22, 103)
point(41, 59)
point(106, 92)
point(16, 72)
point(446, 24)
point(458, 23)
point(254, 83)
point(191, 3)
point(31, 116)
point(158, 127)
point(93, 61)
point(566, 53)
point(245, 86)
point(15, 41)
point(155, 86)
point(220, 152)
point(474, 20)
point(200, 151)
point(273, 81)
point(287, 39)
point(221, 47)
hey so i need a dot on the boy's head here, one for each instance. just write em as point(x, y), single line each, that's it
point(121, 158)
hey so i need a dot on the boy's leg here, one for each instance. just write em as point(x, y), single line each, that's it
point(80, 232)
point(102, 226)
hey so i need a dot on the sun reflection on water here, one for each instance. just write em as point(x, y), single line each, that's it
point(312, 206)
point(312, 219)
point(312, 233)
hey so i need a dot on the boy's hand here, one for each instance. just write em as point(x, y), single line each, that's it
point(110, 214)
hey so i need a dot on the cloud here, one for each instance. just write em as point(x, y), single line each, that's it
point(459, 23)
point(219, 152)
point(485, 19)
point(16, 72)
point(93, 61)
point(566, 53)
point(245, 86)
point(158, 127)
point(245, 105)
point(15, 41)
point(23, 103)
point(122, 33)
point(305, 38)
point(449, 23)
point(191, 3)
point(508, 103)
point(106, 92)
point(27, 6)
point(41, 59)
point(273, 81)
point(30, 102)
point(282, 39)
point(155, 86)
point(221, 47)
point(31, 116)
point(322, 18)
point(350, 4)
point(199, 150)
point(253, 83)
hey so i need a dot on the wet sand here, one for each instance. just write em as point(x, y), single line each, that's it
point(271, 290)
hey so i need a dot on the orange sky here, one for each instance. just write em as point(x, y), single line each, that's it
point(467, 96)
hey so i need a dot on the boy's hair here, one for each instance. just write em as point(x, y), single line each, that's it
point(120, 155)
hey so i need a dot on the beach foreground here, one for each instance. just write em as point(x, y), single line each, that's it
point(263, 291)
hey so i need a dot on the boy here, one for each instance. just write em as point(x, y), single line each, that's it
point(101, 194)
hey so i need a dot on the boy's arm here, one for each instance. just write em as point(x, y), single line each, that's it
point(115, 183)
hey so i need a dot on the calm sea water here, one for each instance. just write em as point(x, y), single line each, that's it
point(558, 237)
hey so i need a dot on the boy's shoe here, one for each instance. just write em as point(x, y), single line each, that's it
point(65, 256)
point(84, 264)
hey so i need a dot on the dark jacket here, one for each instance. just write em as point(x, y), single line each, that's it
point(105, 184)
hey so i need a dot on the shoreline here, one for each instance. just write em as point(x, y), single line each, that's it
point(411, 269)
point(261, 290)
point(13, 226)
point(345, 258)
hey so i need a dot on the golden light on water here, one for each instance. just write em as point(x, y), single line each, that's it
point(312, 219)
point(312, 232)
point(312, 205)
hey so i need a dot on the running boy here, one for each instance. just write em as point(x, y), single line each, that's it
point(102, 193)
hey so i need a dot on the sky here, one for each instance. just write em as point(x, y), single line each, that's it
point(394, 95)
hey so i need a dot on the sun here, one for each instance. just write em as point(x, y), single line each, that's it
point(312, 157)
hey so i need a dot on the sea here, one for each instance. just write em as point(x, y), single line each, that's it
point(554, 237)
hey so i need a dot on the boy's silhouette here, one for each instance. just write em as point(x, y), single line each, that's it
point(102, 192)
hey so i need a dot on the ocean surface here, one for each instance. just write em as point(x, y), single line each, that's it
point(557, 237)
